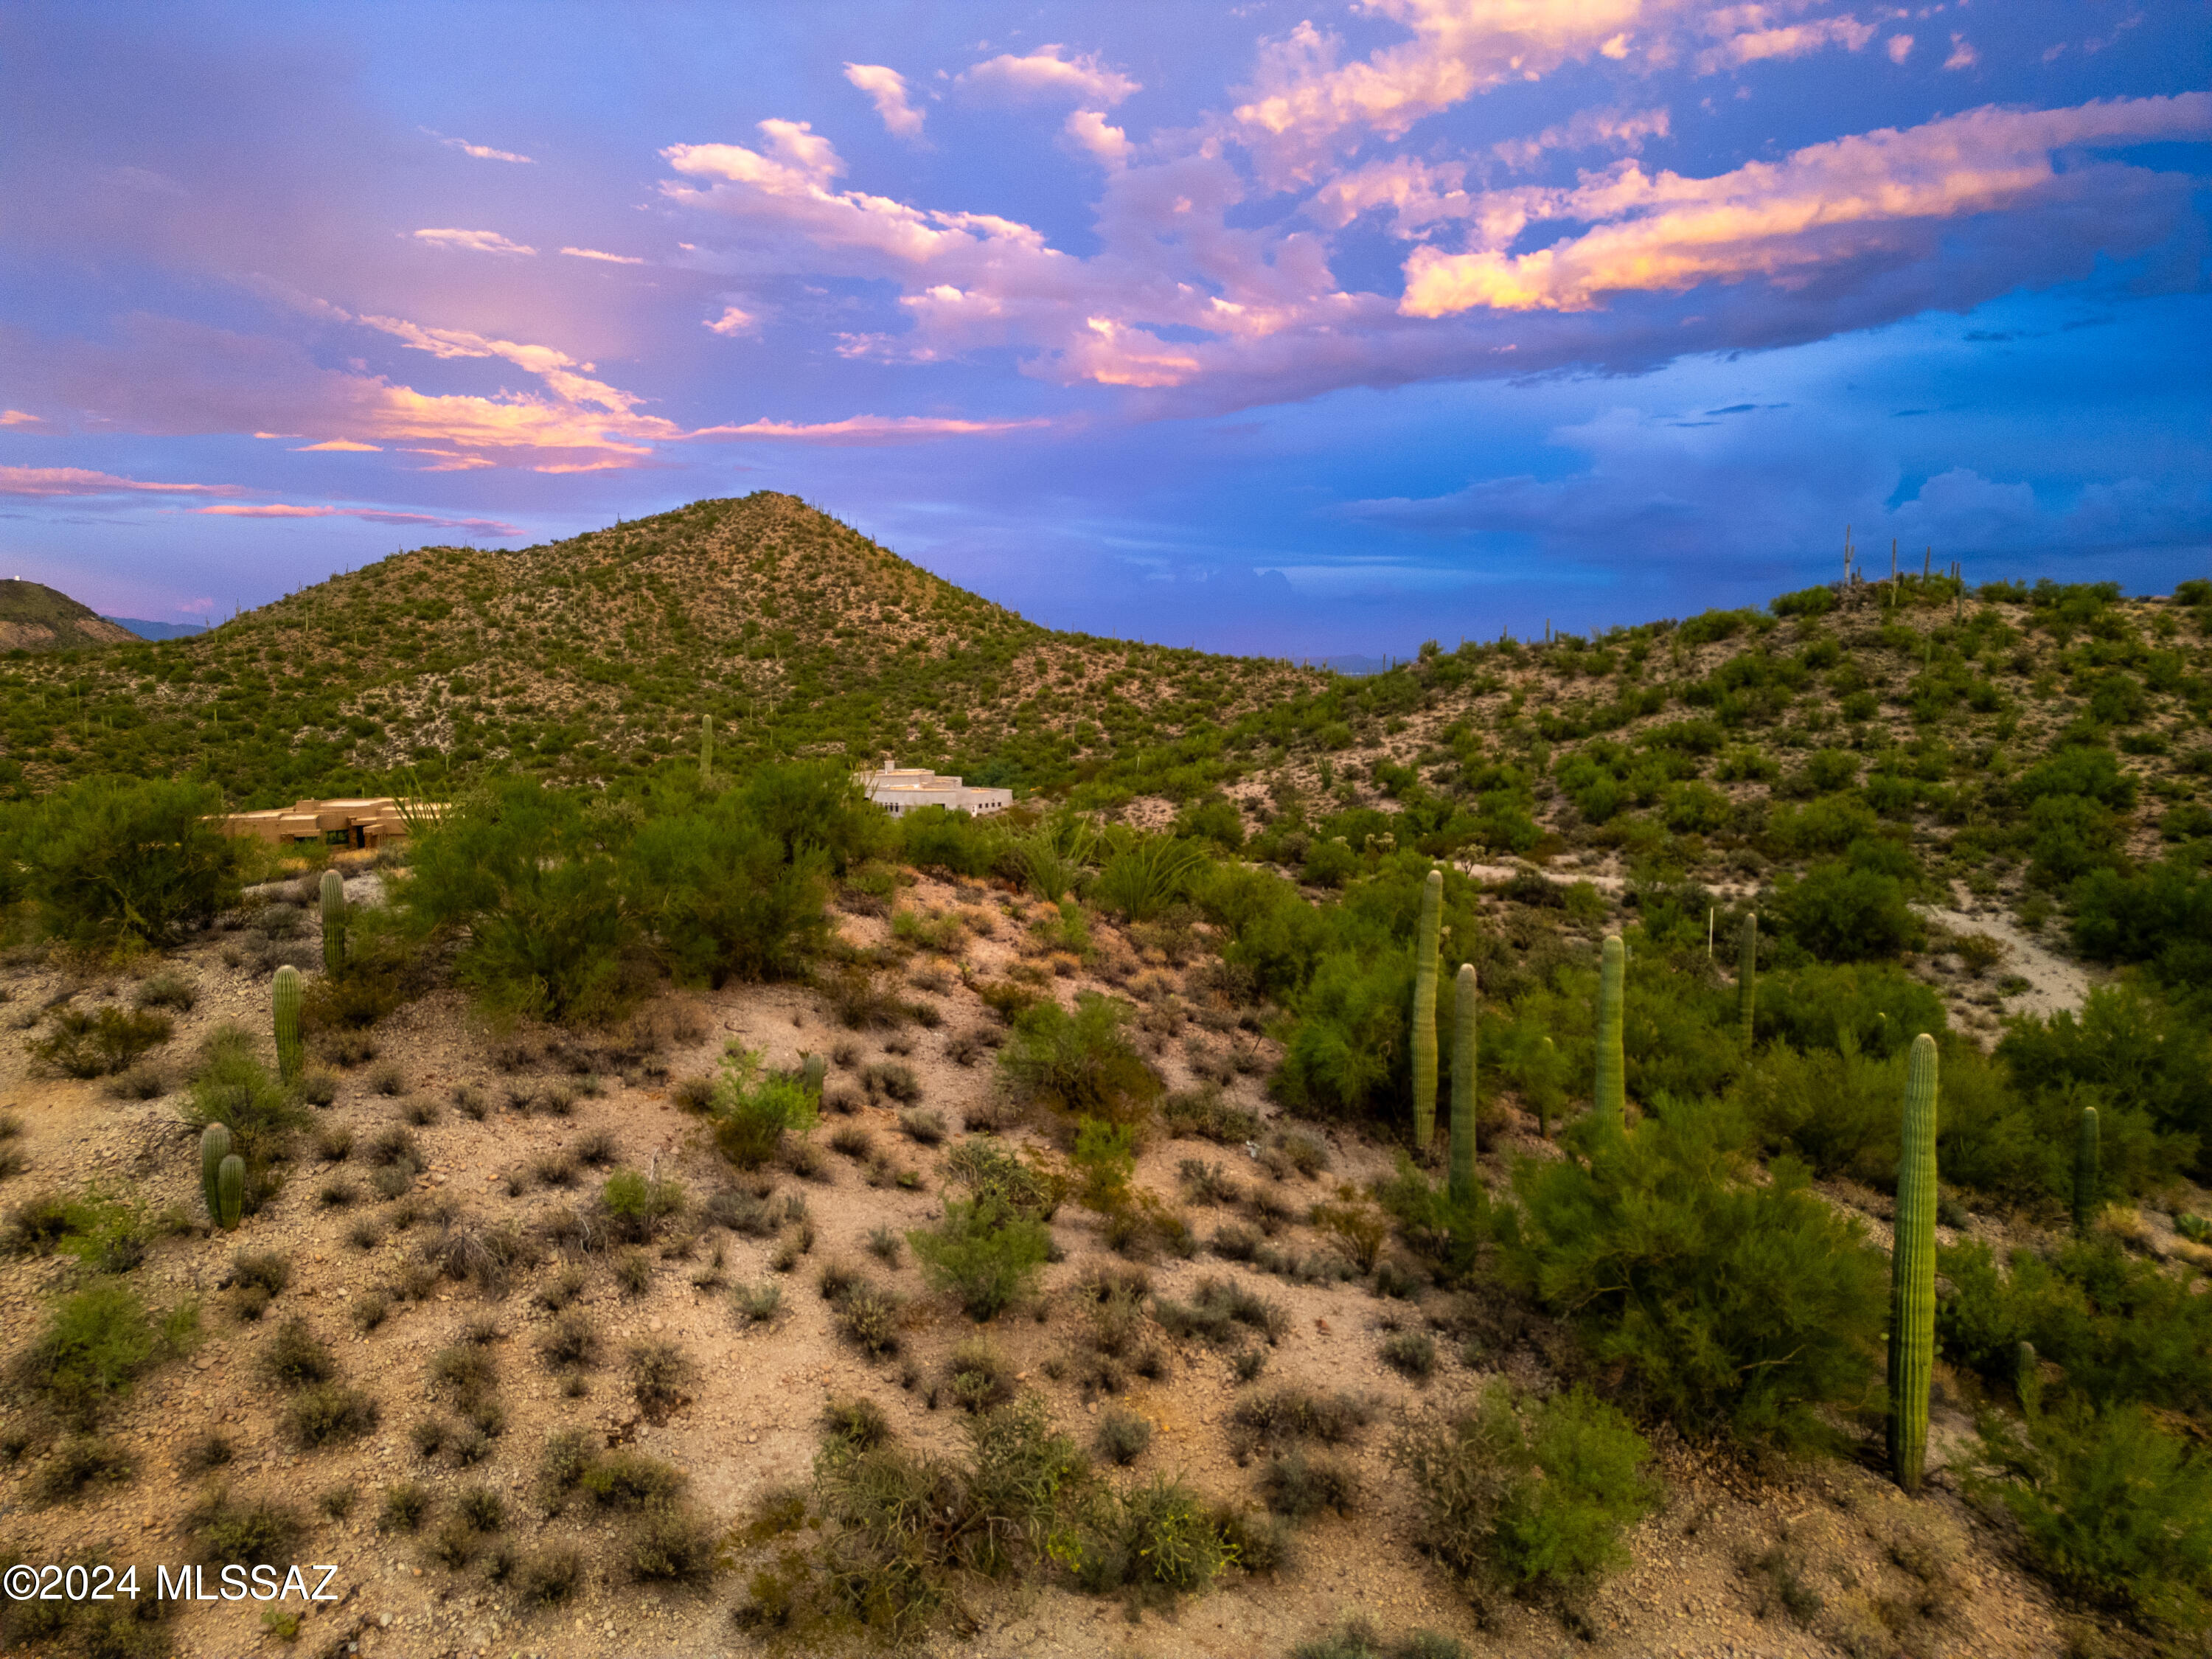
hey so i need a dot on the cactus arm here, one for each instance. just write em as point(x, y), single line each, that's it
point(284, 998)
point(2087, 1171)
point(230, 1193)
point(1746, 980)
point(334, 923)
point(1912, 1273)
point(1612, 1065)
point(1424, 1010)
point(1462, 1085)
point(215, 1147)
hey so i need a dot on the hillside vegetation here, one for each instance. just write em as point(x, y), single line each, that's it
point(1513, 1129)
point(35, 617)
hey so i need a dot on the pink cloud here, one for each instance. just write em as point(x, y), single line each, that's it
point(18, 418)
point(373, 515)
point(869, 430)
point(886, 90)
point(334, 444)
point(474, 241)
point(46, 481)
point(1048, 72)
point(734, 320)
point(1088, 128)
point(1788, 40)
point(1900, 48)
point(607, 258)
point(482, 152)
point(1963, 56)
point(1779, 220)
point(1304, 104)
point(1589, 129)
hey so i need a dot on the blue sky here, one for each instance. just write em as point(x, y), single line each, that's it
point(1285, 328)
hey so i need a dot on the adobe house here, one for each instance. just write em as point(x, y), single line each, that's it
point(903, 789)
point(361, 822)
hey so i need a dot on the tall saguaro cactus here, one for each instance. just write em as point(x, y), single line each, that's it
point(1424, 1010)
point(334, 923)
point(1463, 1084)
point(706, 746)
point(1746, 980)
point(284, 996)
point(1912, 1273)
point(2087, 1171)
point(215, 1147)
point(1612, 1066)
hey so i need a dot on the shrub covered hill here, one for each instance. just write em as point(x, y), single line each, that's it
point(587, 658)
point(36, 618)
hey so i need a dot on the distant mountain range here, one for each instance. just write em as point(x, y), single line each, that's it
point(158, 630)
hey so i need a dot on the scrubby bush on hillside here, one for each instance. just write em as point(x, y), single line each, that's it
point(233, 1088)
point(1078, 1064)
point(752, 1109)
point(115, 862)
point(1727, 1306)
point(719, 898)
point(985, 1252)
point(2113, 1511)
point(536, 888)
point(2160, 914)
point(2139, 1050)
point(1535, 1500)
point(1850, 910)
point(95, 1345)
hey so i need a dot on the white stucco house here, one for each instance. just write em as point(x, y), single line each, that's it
point(902, 789)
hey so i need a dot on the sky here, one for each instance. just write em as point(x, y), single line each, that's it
point(1282, 327)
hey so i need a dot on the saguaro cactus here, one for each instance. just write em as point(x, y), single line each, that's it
point(706, 745)
point(1612, 1068)
point(215, 1147)
point(1424, 1010)
point(284, 994)
point(1747, 979)
point(1463, 1084)
point(1544, 1094)
point(1912, 1273)
point(230, 1193)
point(2087, 1171)
point(334, 923)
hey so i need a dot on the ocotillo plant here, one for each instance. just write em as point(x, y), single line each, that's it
point(284, 996)
point(334, 923)
point(1912, 1273)
point(215, 1147)
point(1424, 1010)
point(2087, 1171)
point(706, 746)
point(1612, 1068)
point(1747, 979)
point(230, 1193)
point(1462, 1085)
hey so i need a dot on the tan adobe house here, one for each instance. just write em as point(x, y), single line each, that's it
point(903, 789)
point(361, 822)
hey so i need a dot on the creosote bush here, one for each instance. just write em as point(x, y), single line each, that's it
point(985, 1252)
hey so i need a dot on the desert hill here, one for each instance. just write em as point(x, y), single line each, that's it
point(36, 618)
point(586, 658)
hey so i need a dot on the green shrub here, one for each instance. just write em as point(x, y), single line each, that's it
point(989, 1169)
point(2132, 1048)
point(1079, 1064)
point(1848, 911)
point(1144, 877)
point(2113, 1511)
point(329, 1413)
point(95, 1345)
point(752, 1109)
point(636, 1204)
point(1123, 1436)
point(1358, 1639)
point(532, 885)
point(120, 861)
point(985, 1252)
point(256, 1532)
point(1727, 1306)
point(1297, 1487)
point(719, 899)
point(97, 1042)
point(2125, 1331)
point(2160, 914)
point(1537, 1502)
point(933, 838)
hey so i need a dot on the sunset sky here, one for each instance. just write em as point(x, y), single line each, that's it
point(1285, 327)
